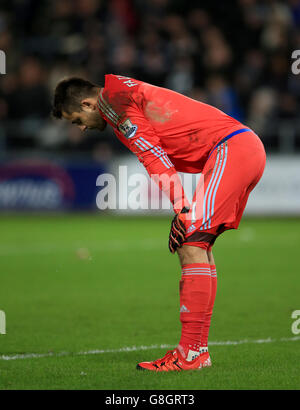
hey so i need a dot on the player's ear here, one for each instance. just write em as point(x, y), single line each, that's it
point(88, 105)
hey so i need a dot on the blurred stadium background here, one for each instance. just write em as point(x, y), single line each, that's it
point(235, 55)
point(77, 282)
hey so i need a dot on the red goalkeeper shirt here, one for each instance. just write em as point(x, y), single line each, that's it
point(167, 131)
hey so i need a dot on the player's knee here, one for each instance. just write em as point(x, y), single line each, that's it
point(192, 254)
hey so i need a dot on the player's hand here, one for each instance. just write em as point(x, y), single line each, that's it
point(178, 230)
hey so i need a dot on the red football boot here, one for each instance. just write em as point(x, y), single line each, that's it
point(173, 360)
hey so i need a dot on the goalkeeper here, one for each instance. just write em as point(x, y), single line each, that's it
point(169, 132)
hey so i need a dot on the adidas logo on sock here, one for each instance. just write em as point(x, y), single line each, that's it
point(183, 309)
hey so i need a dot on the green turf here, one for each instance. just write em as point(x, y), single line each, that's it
point(84, 282)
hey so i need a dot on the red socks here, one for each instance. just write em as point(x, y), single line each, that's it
point(213, 291)
point(197, 295)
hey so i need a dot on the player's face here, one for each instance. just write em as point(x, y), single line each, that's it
point(87, 118)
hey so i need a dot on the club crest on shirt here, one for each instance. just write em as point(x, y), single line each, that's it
point(128, 129)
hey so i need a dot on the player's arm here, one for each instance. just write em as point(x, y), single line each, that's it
point(144, 142)
point(124, 103)
point(146, 145)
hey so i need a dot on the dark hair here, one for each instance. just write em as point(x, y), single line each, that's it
point(69, 93)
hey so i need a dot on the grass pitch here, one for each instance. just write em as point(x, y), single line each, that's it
point(86, 297)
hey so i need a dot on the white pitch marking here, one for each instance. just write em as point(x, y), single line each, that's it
point(127, 349)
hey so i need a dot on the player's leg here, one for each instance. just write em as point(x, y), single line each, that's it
point(209, 311)
point(195, 296)
point(195, 293)
point(190, 255)
point(225, 195)
point(219, 203)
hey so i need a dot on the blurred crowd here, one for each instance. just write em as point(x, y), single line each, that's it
point(235, 55)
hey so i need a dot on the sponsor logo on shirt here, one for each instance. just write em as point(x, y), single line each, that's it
point(128, 129)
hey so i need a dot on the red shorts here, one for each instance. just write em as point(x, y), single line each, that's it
point(228, 177)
